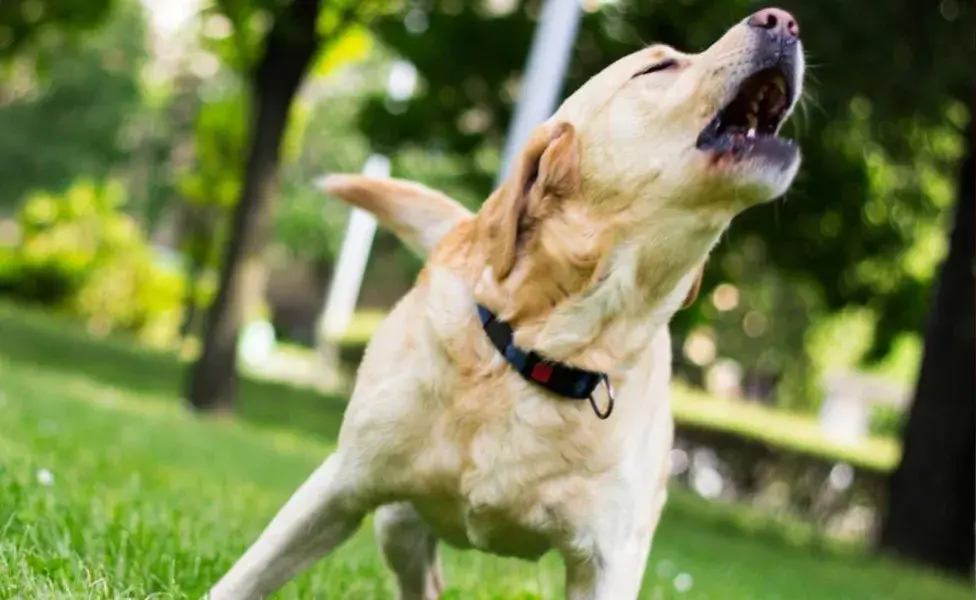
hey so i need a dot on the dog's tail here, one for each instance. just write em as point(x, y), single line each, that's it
point(417, 214)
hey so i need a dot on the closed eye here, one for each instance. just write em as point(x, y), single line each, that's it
point(661, 66)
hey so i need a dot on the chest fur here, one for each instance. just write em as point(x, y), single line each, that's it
point(513, 472)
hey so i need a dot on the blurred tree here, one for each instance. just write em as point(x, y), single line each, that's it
point(22, 23)
point(275, 44)
point(861, 225)
point(210, 186)
point(308, 224)
point(71, 120)
point(932, 495)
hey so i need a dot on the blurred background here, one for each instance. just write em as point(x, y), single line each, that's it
point(161, 234)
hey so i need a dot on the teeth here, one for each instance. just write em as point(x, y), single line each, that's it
point(751, 133)
point(780, 83)
point(752, 120)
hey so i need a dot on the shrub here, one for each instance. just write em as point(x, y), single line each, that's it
point(80, 252)
point(886, 420)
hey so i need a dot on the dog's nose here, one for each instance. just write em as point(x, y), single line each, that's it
point(776, 20)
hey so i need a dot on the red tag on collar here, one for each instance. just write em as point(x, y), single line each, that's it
point(541, 372)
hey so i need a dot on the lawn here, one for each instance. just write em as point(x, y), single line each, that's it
point(109, 489)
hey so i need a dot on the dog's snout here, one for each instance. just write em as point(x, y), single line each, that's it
point(777, 21)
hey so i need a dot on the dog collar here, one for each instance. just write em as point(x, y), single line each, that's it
point(566, 381)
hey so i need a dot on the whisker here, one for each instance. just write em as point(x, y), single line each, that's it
point(811, 100)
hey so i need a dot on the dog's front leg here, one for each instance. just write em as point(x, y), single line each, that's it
point(612, 567)
point(613, 575)
point(322, 514)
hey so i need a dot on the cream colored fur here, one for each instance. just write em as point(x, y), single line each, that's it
point(418, 215)
point(589, 248)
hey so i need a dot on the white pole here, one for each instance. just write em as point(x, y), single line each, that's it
point(552, 47)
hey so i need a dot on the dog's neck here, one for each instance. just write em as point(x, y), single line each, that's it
point(596, 304)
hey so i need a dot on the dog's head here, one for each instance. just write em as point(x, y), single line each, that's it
point(658, 151)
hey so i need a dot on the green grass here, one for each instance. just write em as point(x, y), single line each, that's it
point(146, 500)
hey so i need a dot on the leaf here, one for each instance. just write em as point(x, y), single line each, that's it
point(352, 45)
point(338, 15)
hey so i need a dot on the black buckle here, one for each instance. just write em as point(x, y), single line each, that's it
point(603, 416)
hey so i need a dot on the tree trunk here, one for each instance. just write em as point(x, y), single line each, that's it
point(290, 46)
point(932, 494)
point(192, 273)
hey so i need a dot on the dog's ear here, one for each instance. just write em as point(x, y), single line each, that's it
point(692, 294)
point(547, 171)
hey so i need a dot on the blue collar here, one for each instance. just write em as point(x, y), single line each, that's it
point(566, 381)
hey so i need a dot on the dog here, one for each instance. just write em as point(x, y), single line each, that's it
point(515, 401)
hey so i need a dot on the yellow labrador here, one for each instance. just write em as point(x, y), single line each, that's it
point(516, 399)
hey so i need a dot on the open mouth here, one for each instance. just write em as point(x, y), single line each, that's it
point(748, 125)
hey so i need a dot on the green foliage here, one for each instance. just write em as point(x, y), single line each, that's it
point(70, 120)
point(220, 143)
point(235, 31)
point(221, 139)
point(886, 420)
point(760, 317)
point(81, 253)
point(23, 22)
point(308, 226)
